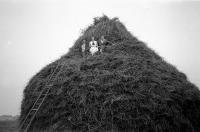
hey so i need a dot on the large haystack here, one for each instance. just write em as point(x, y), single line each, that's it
point(127, 88)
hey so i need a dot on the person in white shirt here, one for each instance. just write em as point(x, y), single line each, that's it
point(93, 46)
point(83, 48)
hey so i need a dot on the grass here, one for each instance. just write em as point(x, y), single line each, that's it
point(127, 88)
point(8, 126)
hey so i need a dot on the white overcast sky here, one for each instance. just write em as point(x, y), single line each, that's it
point(34, 33)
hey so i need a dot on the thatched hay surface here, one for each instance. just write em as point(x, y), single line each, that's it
point(127, 88)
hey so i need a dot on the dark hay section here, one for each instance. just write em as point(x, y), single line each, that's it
point(126, 88)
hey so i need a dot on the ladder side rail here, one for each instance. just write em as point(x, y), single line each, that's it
point(49, 87)
point(30, 122)
point(39, 96)
point(40, 104)
point(33, 106)
point(35, 111)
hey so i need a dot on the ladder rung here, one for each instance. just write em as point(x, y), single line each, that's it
point(38, 103)
point(35, 109)
point(41, 97)
point(45, 92)
point(39, 100)
point(26, 123)
point(49, 85)
point(36, 106)
point(32, 112)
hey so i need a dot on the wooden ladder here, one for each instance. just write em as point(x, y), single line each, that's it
point(26, 123)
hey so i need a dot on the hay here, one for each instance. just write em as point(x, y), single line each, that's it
point(127, 88)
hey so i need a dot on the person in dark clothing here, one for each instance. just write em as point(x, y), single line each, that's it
point(103, 43)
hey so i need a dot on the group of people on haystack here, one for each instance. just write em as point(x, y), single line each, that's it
point(94, 46)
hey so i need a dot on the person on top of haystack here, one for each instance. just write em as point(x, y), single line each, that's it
point(103, 40)
point(93, 46)
point(83, 48)
point(103, 43)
